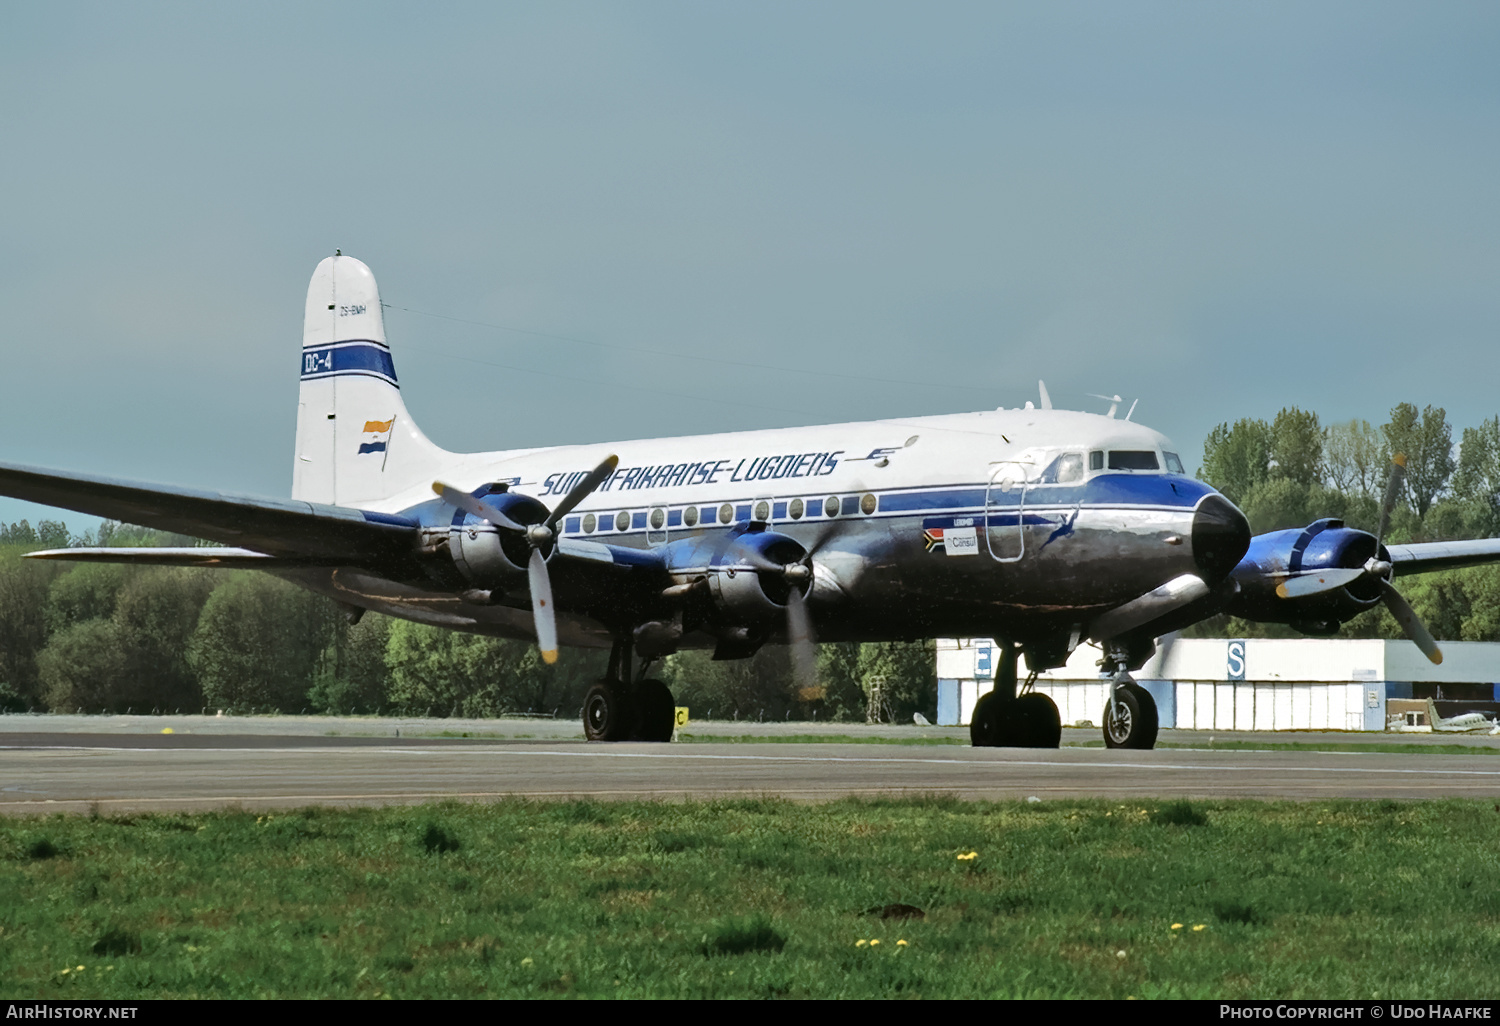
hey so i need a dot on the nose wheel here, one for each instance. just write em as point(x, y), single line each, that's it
point(1130, 719)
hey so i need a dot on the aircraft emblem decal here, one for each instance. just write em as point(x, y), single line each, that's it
point(1065, 529)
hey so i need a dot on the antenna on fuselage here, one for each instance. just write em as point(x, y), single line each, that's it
point(1132, 408)
point(1114, 402)
point(1046, 399)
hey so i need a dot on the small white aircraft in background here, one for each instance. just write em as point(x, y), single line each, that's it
point(1041, 527)
point(1464, 723)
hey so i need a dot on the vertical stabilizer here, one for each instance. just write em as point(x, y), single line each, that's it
point(356, 444)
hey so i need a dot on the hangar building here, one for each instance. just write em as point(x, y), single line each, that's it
point(1253, 684)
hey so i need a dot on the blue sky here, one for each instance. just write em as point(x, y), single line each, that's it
point(888, 210)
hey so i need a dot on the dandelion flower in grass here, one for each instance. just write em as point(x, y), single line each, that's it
point(79, 969)
point(968, 856)
point(860, 943)
point(901, 944)
point(874, 942)
point(1120, 953)
point(1200, 926)
point(1176, 926)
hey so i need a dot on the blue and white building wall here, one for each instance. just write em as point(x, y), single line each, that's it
point(1243, 684)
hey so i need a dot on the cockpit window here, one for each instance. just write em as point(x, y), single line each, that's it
point(1066, 469)
point(1133, 459)
point(1174, 465)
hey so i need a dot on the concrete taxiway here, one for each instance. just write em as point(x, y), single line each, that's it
point(127, 764)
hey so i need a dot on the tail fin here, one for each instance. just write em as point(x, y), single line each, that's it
point(356, 444)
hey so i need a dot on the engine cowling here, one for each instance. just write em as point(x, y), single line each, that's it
point(490, 556)
point(1323, 545)
point(735, 573)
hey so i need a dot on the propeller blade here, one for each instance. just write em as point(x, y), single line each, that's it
point(541, 606)
point(799, 633)
point(1412, 626)
point(1315, 582)
point(475, 507)
point(1392, 493)
point(581, 490)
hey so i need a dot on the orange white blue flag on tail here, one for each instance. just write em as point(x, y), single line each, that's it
point(381, 429)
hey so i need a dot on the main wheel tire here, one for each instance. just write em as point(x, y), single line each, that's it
point(1137, 728)
point(657, 711)
point(985, 721)
point(1038, 724)
point(608, 713)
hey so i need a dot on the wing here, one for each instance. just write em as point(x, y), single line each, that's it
point(305, 532)
point(1424, 557)
point(223, 558)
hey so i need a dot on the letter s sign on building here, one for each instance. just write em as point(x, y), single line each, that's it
point(1235, 670)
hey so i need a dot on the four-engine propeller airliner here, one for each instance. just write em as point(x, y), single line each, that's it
point(1039, 526)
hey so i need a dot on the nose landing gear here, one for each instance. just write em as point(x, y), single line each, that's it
point(1130, 717)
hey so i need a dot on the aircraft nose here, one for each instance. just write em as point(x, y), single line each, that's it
point(1221, 535)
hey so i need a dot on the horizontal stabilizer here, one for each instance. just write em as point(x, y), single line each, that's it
point(280, 527)
point(223, 558)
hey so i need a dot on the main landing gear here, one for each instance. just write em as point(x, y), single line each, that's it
point(1004, 719)
point(622, 708)
point(1130, 719)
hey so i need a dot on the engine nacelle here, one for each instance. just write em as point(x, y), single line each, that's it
point(733, 574)
point(491, 556)
point(1322, 545)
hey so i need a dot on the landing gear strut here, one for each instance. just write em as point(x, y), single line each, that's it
point(1130, 718)
point(1004, 719)
point(622, 708)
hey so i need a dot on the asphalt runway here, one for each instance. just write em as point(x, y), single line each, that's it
point(138, 768)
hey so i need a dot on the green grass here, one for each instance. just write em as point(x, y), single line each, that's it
point(756, 898)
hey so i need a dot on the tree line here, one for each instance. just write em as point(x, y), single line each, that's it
point(102, 637)
point(1293, 469)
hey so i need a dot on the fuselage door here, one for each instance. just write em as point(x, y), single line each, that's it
point(1005, 509)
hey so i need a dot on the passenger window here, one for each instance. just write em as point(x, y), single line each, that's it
point(1174, 465)
point(1133, 459)
point(1096, 460)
